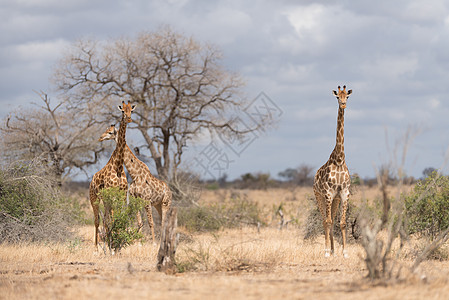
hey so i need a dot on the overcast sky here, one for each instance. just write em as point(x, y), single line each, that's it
point(394, 55)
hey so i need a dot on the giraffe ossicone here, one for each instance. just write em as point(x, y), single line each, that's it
point(332, 181)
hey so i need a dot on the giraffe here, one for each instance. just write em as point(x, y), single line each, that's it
point(113, 174)
point(332, 181)
point(144, 185)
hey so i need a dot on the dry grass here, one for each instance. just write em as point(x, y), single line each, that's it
point(235, 263)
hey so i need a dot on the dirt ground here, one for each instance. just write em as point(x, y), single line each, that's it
point(241, 263)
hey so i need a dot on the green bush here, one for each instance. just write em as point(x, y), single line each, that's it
point(427, 206)
point(32, 207)
point(120, 232)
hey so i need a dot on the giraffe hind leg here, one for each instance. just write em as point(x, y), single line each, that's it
point(164, 207)
point(95, 207)
point(139, 220)
point(344, 208)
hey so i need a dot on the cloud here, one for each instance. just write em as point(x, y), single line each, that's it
point(392, 54)
point(39, 50)
point(315, 114)
point(434, 103)
point(389, 69)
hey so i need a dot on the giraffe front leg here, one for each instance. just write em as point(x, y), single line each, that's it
point(344, 207)
point(327, 251)
point(329, 237)
point(334, 208)
point(321, 202)
point(148, 209)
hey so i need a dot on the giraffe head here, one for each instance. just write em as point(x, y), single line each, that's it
point(126, 109)
point(109, 134)
point(342, 95)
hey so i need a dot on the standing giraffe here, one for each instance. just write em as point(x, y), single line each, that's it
point(332, 181)
point(113, 174)
point(144, 185)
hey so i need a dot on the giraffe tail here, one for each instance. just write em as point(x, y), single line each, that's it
point(127, 195)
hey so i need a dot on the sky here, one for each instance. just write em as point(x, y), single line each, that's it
point(394, 55)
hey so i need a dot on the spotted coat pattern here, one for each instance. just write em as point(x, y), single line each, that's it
point(113, 173)
point(332, 181)
point(145, 185)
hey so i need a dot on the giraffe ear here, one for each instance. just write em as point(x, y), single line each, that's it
point(133, 107)
point(349, 92)
point(120, 108)
point(335, 93)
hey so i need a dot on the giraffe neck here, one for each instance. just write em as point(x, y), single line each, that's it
point(119, 152)
point(338, 155)
point(136, 168)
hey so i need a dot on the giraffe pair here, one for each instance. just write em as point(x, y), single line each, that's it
point(332, 181)
point(144, 185)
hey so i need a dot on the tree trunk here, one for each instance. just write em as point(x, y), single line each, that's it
point(166, 256)
point(155, 154)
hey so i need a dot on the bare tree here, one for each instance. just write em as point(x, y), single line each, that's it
point(64, 140)
point(181, 89)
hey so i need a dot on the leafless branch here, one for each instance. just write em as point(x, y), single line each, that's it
point(178, 83)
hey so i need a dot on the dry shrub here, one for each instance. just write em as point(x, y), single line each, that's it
point(382, 254)
point(198, 219)
point(439, 254)
point(384, 238)
point(186, 189)
point(236, 211)
point(314, 225)
point(31, 207)
point(218, 255)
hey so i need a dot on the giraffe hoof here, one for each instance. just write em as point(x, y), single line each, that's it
point(345, 254)
point(327, 253)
